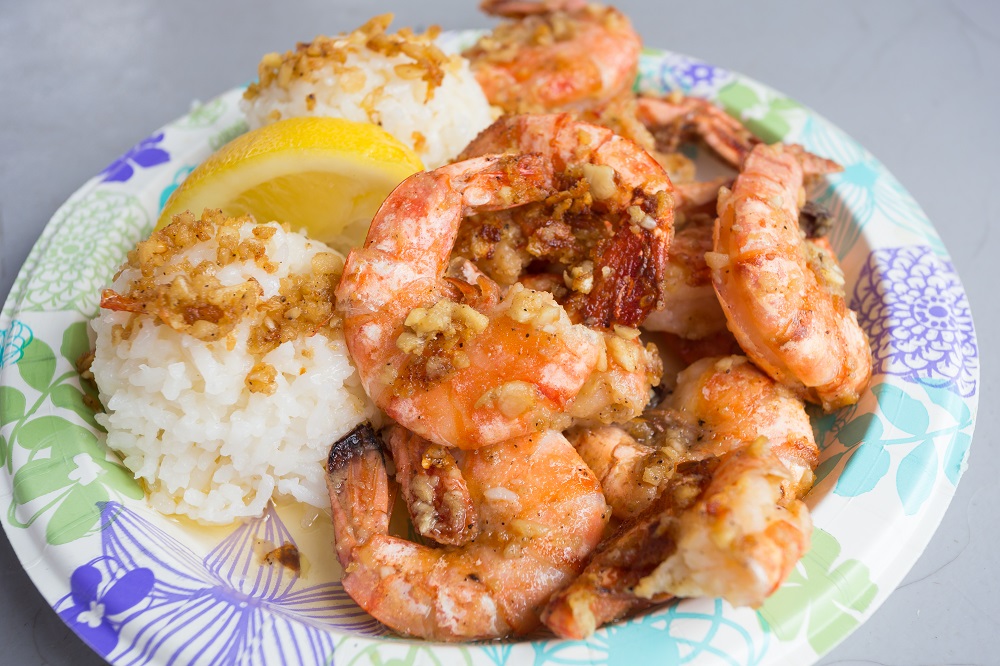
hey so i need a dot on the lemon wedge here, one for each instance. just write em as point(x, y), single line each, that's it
point(323, 176)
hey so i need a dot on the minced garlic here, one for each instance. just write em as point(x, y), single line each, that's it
point(195, 302)
point(311, 60)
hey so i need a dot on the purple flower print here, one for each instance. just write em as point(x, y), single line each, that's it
point(224, 607)
point(146, 154)
point(914, 309)
point(695, 72)
point(95, 602)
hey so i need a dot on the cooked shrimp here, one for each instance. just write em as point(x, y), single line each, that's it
point(620, 387)
point(604, 592)
point(696, 195)
point(457, 375)
point(560, 55)
point(690, 307)
point(687, 350)
point(517, 9)
point(729, 521)
point(784, 297)
point(691, 322)
point(675, 119)
point(741, 539)
point(608, 228)
point(734, 403)
point(541, 514)
point(633, 470)
point(717, 404)
point(435, 492)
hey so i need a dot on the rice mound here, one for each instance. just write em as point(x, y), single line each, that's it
point(403, 82)
point(214, 421)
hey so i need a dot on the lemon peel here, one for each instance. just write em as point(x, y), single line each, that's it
point(324, 176)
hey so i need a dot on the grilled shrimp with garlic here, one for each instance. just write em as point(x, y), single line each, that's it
point(462, 362)
point(540, 514)
point(783, 296)
point(607, 227)
point(711, 488)
point(558, 55)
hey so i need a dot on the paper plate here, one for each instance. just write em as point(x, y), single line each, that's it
point(141, 588)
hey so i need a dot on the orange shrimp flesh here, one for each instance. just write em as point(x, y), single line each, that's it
point(783, 297)
point(690, 307)
point(463, 377)
point(565, 56)
point(433, 387)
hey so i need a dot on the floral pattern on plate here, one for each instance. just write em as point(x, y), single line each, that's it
point(150, 598)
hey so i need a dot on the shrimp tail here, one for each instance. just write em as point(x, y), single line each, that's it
point(698, 194)
point(603, 592)
point(491, 586)
point(360, 492)
point(675, 119)
point(813, 165)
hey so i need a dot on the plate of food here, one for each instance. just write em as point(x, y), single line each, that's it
point(483, 347)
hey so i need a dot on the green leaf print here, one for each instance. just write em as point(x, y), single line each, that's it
point(821, 596)
point(398, 653)
point(915, 476)
point(120, 479)
point(824, 468)
point(55, 431)
point(77, 514)
point(78, 467)
point(952, 402)
point(784, 104)
point(38, 478)
point(227, 134)
point(738, 97)
point(955, 456)
point(65, 472)
point(866, 467)
point(866, 426)
point(12, 405)
point(71, 398)
point(203, 115)
point(75, 342)
point(38, 365)
point(763, 112)
point(93, 233)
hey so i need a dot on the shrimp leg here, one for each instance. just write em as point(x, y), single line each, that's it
point(675, 119)
point(436, 495)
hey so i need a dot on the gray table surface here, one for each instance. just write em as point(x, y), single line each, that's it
point(916, 82)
